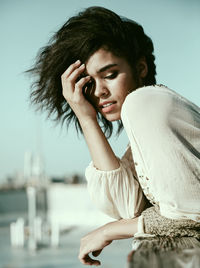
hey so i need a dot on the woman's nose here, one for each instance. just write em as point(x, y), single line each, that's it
point(101, 91)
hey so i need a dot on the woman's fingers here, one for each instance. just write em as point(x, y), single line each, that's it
point(82, 82)
point(69, 78)
point(71, 68)
point(73, 82)
point(76, 73)
point(73, 72)
point(96, 253)
point(77, 96)
point(85, 259)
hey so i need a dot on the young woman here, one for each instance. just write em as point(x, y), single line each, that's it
point(99, 68)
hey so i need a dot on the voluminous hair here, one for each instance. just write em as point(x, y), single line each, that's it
point(79, 38)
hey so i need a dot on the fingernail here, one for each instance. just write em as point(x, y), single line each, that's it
point(78, 61)
point(82, 65)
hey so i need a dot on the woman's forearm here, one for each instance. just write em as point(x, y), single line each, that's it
point(101, 152)
point(121, 229)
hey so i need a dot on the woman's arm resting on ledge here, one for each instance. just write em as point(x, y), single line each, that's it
point(95, 241)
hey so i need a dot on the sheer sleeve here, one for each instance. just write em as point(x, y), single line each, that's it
point(117, 193)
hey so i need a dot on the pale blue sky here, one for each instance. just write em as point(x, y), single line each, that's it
point(25, 26)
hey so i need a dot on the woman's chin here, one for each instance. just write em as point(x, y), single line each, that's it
point(112, 117)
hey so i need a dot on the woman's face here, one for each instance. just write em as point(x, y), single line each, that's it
point(112, 81)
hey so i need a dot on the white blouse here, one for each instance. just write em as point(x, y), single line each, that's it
point(163, 160)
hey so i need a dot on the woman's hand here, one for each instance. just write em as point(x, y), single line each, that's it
point(98, 239)
point(73, 91)
point(94, 242)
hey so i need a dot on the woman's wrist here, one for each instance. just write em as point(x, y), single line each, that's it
point(87, 122)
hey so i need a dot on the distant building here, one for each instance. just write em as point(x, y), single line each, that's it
point(34, 172)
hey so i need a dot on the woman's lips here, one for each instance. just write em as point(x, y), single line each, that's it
point(108, 107)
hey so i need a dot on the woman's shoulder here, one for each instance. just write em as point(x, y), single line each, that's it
point(156, 92)
point(156, 99)
point(160, 106)
point(150, 91)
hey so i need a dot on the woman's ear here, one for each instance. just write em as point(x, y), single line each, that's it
point(142, 68)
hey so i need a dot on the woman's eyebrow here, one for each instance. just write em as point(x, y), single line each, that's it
point(103, 69)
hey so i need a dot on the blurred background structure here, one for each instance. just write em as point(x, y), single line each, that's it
point(42, 184)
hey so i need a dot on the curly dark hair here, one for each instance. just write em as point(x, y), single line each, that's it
point(79, 38)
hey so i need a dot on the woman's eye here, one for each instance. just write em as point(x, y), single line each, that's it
point(112, 75)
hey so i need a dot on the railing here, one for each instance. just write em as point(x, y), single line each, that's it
point(165, 252)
